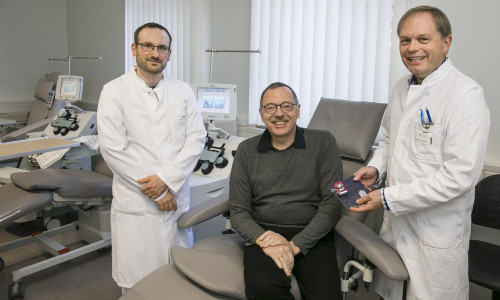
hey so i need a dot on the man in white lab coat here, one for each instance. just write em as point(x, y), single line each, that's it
point(432, 150)
point(151, 135)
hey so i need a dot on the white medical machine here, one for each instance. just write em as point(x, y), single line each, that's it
point(217, 103)
point(70, 123)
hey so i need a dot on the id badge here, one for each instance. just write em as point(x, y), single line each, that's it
point(423, 137)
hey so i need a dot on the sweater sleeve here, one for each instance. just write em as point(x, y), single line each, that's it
point(240, 197)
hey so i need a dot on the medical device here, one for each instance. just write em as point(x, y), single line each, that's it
point(210, 180)
point(69, 88)
point(71, 123)
point(211, 156)
point(217, 102)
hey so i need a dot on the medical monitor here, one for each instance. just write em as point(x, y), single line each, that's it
point(217, 102)
point(69, 88)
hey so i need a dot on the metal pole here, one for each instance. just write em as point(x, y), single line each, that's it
point(212, 51)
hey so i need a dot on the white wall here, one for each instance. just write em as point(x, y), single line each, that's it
point(228, 27)
point(96, 28)
point(473, 51)
point(31, 31)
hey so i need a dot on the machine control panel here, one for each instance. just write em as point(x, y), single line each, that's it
point(70, 123)
point(211, 156)
point(64, 123)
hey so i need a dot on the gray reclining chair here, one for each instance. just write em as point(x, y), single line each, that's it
point(41, 113)
point(87, 192)
point(213, 267)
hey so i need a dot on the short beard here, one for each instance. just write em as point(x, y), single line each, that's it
point(142, 64)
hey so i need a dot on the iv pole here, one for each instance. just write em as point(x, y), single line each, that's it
point(69, 58)
point(212, 51)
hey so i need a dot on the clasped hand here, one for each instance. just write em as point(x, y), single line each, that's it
point(279, 249)
point(153, 188)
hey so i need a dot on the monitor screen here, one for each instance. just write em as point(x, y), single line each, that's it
point(69, 88)
point(217, 102)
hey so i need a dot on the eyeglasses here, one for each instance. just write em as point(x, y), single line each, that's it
point(150, 47)
point(285, 107)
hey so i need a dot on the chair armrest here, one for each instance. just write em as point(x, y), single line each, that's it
point(379, 252)
point(203, 211)
point(214, 263)
point(20, 134)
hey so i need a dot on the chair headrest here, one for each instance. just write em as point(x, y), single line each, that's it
point(53, 76)
point(354, 124)
point(43, 88)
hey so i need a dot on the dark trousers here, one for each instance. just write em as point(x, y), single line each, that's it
point(317, 272)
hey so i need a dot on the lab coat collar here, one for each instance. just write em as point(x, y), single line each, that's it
point(266, 144)
point(434, 76)
point(141, 82)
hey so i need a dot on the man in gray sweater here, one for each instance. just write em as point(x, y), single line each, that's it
point(282, 205)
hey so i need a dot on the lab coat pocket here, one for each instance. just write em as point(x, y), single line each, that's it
point(127, 202)
point(442, 226)
point(426, 144)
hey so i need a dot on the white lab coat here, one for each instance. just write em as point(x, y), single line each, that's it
point(430, 187)
point(142, 132)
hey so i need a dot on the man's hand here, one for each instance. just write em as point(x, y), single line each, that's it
point(271, 238)
point(167, 202)
point(371, 201)
point(367, 176)
point(282, 256)
point(279, 249)
point(154, 187)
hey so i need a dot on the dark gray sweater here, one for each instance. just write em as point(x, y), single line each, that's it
point(289, 188)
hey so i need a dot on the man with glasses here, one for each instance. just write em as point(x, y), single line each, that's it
point(281, 203)
point(151, 135)
point(434, 137)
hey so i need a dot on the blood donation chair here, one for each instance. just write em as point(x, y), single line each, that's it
point(41, 113)
point(88, 192)
point(213, 267)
